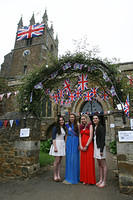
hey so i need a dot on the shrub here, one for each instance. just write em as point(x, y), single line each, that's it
point(112, 147)
point(45, 146)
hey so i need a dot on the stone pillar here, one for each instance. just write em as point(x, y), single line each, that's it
point(125, 165)
point(19, 156)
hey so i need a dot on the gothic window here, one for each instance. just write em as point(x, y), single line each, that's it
point(92, 107)
point(25, 69)
point(51, 48)
point(46, 108)
point(29, 42)
point(49, 109)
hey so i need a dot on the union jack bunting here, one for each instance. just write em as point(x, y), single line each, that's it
point(112, 91)
point(71, 97)
point(105, 77)
point(130, 79)
point(67, 87)
point(66, 66)
point(60, 93)
point(78, 66)
point(126, 106)
point(62, 102)
point(88, 96)
point(27, 32)
point(104, 95)
point(39, 86)
point(55, 97)
point(47, 91)
point(53, 75)
point(83, 82)
point(67, 102)
point(77, 94)
point(94, 92)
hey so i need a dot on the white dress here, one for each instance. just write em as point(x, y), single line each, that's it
point(97, 150)
point(60, 144)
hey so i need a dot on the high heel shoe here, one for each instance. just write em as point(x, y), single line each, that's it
point(102, 185)
point(98, 183)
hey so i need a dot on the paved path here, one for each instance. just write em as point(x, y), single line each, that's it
point(42, 187)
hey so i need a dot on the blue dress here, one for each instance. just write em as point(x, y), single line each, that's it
point(72, 172)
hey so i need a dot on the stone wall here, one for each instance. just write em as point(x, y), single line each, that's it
point(19, 157)
point(124, 158)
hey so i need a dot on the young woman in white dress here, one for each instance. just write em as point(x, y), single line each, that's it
point(58, 147)
point(100, 150)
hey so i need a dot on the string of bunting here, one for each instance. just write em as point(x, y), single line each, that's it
point(5, 123)
point(8, 95)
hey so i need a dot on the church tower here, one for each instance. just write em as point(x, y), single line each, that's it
point(30, 53)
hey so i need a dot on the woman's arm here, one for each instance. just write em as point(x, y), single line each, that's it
point(80, 142)
point(54, 131)
point(102, 141)
point(90, 138)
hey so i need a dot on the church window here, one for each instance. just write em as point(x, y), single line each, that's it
point(29, 42)
point(25, 69)
point(46, 108)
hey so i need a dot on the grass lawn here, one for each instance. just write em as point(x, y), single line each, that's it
point(45, 159)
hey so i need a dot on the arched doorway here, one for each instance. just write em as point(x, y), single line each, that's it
point(91, 107)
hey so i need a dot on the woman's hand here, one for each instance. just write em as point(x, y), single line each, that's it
point(80, 148)
point(85, 148)
point(101, 153)
point(55, 149)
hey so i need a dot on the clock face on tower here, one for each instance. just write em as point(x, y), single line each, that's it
point(26, 52)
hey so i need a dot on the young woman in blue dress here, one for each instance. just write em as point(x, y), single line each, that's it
point(72, 151)
point(58, 147)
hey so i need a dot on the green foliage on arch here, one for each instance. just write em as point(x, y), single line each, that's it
point(43, 74)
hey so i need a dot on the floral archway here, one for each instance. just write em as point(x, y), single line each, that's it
point(66, 79)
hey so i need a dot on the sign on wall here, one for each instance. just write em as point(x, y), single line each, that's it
point(125, 136)
point(24, 132)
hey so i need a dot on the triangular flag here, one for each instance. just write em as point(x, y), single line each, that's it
point(1, 123)
point(31, 95)
point(11, 122)
point(5, 123)
point(17, 122)
point(1, 96)
point(16, 92)
point(8, 95)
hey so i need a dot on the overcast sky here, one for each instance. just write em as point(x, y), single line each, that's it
point(107, 24)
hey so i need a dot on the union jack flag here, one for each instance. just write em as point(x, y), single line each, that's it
point(83, 82)
point(27, 32)
point(104, 95)
point(77, 94)
point(71, 97)
point(88, 96)
point(66, 66)
point(55, 97)
point(113, 92)
point(60, 93)
point(67, 86)
point(126, 106)
point(130, 79)
point(94, 92)
point(78, 66)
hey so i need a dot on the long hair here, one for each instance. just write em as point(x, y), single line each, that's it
point(87, 118)
point(75, 123)
point(58, 125)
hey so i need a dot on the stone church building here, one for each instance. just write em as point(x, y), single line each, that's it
point(31, 53)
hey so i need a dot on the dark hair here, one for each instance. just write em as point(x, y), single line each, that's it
point(58, 125)
point(75, 122)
